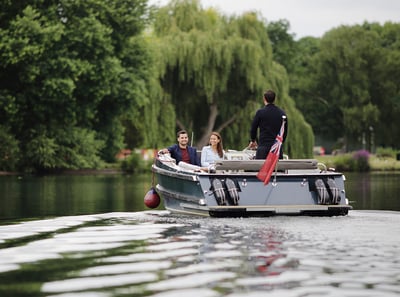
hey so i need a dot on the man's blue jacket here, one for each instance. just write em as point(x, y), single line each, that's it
point(176, 153)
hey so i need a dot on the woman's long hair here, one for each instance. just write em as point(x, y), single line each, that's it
point(220, 147)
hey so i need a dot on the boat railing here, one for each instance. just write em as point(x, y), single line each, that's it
point(253, 165)
point(181, 166)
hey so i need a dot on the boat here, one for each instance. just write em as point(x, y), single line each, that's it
point(231, 188)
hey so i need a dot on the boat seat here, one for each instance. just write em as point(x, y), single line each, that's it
point(187, 166)
point(255, 165)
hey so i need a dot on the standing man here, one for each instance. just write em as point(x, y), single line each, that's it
point(182, 151)
point(269, 120)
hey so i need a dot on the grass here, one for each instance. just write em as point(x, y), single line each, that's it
point(375, 163)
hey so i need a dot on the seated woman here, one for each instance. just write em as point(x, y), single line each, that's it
point(213, 152)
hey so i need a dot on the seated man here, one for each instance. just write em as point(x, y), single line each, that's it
point(182, 151)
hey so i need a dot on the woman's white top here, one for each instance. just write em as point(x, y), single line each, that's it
point(209, 156)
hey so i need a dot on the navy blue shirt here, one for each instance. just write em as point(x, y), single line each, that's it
point(269, 120)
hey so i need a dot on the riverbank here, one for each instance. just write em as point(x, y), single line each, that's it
point(108, 170)
point(375, 163)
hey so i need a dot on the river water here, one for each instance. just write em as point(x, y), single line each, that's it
point(94, 246)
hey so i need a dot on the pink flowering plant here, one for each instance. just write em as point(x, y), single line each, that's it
point(361, 161)
point(357, 161)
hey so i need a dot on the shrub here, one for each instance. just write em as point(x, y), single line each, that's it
point(385, 152)
point(361, 161)
point(343, 162)
point(73, 148)
point(358, 161)
point(135, 163)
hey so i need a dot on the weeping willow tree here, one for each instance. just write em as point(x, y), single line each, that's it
point(213, 70)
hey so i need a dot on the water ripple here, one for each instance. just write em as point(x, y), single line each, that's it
point(161, 255)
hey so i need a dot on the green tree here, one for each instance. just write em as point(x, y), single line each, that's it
point(345, 67)
point(214, 69)
point(71, 68)
point(284, 46)
point(324, 117)
point(345, 84)
point(385, 87)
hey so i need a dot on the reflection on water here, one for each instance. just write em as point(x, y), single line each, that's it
point(38, 197)
point(374, 191)
point(158, 254)
point(97, 241)
point(60, 195)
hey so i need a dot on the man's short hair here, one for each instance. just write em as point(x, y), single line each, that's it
point(181, 132)
point(269, 96)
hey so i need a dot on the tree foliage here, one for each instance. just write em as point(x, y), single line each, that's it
point(214, 69)
point(9, 150)
point(70, 70)
point(283, 44)
point(80, 79)
point(347, 84)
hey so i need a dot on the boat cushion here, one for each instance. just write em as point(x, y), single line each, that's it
point(255, 165)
